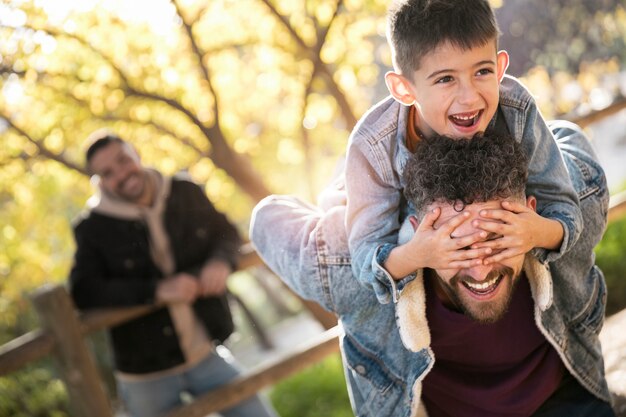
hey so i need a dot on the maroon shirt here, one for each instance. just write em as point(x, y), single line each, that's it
point(507, 368)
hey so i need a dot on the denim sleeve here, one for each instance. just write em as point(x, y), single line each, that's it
point(549, 182)
point(372, 218)
point(283, 231)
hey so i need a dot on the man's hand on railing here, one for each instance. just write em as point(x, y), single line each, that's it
point(213, 277)
point(180, 288)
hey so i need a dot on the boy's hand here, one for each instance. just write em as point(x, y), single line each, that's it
point(518, 230)
point(436, 248)
point(439, 250)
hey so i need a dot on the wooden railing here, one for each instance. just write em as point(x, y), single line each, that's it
point(64, 329)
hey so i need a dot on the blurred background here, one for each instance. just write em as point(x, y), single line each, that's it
point(250, 97)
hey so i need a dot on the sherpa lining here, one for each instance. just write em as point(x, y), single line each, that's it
point(411, 306)
point(417, 406)
point(413, 326)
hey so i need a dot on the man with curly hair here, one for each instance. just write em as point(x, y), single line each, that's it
point(509, 338)
point(464, 183)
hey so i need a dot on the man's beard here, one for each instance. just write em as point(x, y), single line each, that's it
point(484, 312)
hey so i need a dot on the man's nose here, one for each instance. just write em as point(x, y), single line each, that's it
point(479, 272)
point(119, 175)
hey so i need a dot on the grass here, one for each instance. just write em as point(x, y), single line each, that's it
point(318, 391)
point(611, 258)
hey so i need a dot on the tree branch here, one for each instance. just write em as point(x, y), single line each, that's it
point(306, 143)
point(287, 25)
point(111, 117)
point(56, 33)
point(130, 90)
point(42, 149)
point(323, 33)
point(199, 55)
point(221, 154)
point(335, 91)
point(158, 127)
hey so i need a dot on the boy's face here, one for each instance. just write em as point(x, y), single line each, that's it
point(455, 91)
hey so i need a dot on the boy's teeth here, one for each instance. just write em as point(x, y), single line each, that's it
point(465, 119)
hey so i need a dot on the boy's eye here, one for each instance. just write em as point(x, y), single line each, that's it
point(443, 80)
point(484, 71)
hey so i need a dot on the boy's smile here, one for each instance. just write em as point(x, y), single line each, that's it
point(455, 91)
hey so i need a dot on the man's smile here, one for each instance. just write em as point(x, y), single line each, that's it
point(485, 288)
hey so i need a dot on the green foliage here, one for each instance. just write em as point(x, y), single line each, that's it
point(610, 257)
point(33, 392)
point(319, 391)
point(245, 95)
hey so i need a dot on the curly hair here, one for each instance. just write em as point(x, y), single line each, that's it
point(464, 171)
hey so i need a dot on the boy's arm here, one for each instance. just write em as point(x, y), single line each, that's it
point(435, 248)
point(372, 218)
point(550, 183)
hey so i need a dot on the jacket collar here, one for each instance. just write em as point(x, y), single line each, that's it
point(411, 306)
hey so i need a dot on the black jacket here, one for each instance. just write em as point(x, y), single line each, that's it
point(113, 268)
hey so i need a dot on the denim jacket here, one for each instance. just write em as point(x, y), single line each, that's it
point(386, 347)
point(376, 157)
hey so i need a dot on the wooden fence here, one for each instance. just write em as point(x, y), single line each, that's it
point(64, 329)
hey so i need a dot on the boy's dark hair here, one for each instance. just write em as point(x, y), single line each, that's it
point(464, 171)
point(417, 27)
point(98, 140)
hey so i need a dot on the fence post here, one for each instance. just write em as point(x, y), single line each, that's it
point(77, 367)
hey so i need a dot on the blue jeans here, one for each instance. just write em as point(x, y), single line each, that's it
point(156, 397)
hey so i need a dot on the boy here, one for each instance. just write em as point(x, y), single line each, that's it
point(449, 79)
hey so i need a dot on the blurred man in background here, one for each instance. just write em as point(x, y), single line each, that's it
point(148, 238)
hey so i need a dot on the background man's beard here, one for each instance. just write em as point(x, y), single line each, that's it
point(482, 312)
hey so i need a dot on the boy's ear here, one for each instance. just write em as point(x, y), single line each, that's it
point(400, 88)
point(502, 63)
